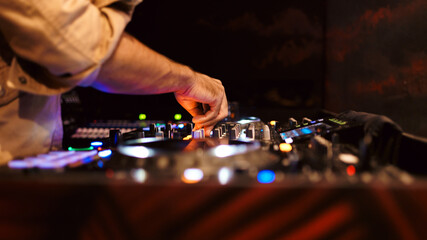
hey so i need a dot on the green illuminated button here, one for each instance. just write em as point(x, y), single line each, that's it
point(337, 121)
point(80, 149)
point(177, 117)
point(142, 116)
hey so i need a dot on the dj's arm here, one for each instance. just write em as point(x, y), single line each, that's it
point(133, 68)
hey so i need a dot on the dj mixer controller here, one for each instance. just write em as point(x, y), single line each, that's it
point(330, 148)
point(325, 176)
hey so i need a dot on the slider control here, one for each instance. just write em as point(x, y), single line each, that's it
point(293, 122)
point(250, 132)
point(235, 132)
point(199, 133)
point(216, 133)
point(306, 120)
point(266, 133)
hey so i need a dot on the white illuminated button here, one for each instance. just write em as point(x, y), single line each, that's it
point(192, 175)
point(105, 153)
point(224, 151)
point(224, 175)
point(348, 158)
point(139, 175)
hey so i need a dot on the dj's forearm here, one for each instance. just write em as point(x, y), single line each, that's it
point(136, 69)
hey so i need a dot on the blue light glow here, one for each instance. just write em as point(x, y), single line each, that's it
point(181, 125)
point(18, 164)
point(105, 153)
point(96, 144)
point(266, 176)
point(306, 131)
point(100, 164)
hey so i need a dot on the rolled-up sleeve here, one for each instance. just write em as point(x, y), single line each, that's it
point(68, 39)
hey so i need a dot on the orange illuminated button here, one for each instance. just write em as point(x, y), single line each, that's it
point(285, 147)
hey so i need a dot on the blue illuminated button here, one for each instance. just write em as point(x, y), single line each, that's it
point(306, 131)
point(96, 144)
point(266, 176)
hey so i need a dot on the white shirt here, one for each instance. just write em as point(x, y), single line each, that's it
point(48, 47)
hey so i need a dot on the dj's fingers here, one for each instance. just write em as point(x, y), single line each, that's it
point(210, 124)
point(216, 112)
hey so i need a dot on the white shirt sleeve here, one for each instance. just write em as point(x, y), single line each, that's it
point(71, 39)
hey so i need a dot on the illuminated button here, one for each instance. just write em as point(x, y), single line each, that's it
point(337, 121)
point(105, 153)
point(351, 170)
point(177, 117)
point(20, 164)
point(142, 116)
point(306, 131)
point(224, 175)
point(139, 175)
point(266, 176)
point(192, 175)
point(285, 147)
point(80, 149)
point(96, 144)
point(188, 137)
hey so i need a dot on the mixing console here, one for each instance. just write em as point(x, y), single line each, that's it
point(241, 151)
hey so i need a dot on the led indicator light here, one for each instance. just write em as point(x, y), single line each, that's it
point(142, 116)
point(96, 144)
point(80, 149)
point(351, 170)
point(177, 117)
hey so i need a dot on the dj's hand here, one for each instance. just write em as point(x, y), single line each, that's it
point(205, 100)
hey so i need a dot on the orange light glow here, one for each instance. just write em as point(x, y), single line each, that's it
point(187, 137)
point(285, 147)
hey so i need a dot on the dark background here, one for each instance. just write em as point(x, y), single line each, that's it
point(278, 57)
